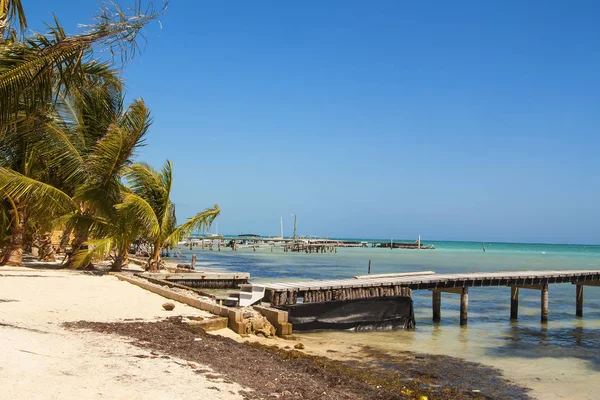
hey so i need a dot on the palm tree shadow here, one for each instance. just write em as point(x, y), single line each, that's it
point(34, 263)
point(527, 342)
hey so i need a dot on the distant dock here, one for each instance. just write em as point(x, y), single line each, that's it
point(300, 244)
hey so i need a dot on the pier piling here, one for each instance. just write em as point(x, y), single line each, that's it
point(437, 305)
point(544, 303)
point(579, 297)
point(514, 303)
point(464, 305)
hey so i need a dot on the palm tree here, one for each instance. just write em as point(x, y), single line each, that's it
point(45, 145)
point(30, 69)
point(37, 73)
point(150, 201)
point(97, 171)
point(86, 178)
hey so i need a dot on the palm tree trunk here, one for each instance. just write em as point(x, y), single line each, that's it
point(46, 249)
point(64, 240)
point(80, 237)
point(14, 252)
point(120, 259)
point(153, 262)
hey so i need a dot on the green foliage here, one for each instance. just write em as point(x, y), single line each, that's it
point(67, 140)
point(150, 202)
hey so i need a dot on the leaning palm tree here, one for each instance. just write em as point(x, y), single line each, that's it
point(86, 179)
point(150, 201)
point(97, 176)
point(50, 146)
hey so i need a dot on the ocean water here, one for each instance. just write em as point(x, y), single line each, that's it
point(560, 359)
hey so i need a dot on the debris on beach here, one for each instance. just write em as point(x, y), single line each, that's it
point(169, 306)
point(259, 325)
point(299, 346)
point(293, 374)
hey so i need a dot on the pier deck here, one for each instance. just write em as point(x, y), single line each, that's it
point(314, 291)
point(443, 281)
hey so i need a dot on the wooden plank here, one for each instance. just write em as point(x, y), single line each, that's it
point(456, 290)
point(395, 275)
point(523, 279)
point(532, 287)
point(590, 283)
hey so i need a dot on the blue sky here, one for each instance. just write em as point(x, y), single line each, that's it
point(453, 120)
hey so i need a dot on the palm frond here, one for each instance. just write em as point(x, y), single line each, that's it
point(61, 153)
point(203, 219)
point(103, 163)
point(11, 10)
point(35, 67)
point(98, 248)
point(39, 194)
point(143, 211)
point(166, 210)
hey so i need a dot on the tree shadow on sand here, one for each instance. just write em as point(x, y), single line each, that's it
point(529, 342)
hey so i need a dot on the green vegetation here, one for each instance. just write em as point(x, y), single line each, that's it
point(67, 143)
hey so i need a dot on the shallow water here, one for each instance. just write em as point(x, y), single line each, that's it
point(558, 360)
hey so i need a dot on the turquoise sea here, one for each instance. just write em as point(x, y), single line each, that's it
point(557, 360)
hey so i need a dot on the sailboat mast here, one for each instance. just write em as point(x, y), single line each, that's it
point(281, 222)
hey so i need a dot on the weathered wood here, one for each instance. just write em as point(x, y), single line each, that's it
point(590, 283)
point(531, 279)
point(457, 290)
point(579, 300)
point(514, 303)
point(437, 305)
point(532, 287)
point(545, 304)
point(464, 305)
point(399, 274)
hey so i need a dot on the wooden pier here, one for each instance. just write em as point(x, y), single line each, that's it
point(205, 280)
point(363, 287)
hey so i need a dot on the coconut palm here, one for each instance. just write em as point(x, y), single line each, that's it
point(45, 145)
point(150, 201)
point(97, 177)
point(30, 69)
point(87, 174)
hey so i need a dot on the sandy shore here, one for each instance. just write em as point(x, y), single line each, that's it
point(39, 359)
point(127, 350)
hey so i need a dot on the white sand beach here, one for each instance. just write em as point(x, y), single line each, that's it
point(39, 359)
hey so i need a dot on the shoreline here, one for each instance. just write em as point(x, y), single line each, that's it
point(37, 300)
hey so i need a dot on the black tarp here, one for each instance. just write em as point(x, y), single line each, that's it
point(380, 313)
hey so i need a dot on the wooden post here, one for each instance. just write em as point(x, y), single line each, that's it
point(464, 305)
point(369, 267)
point(193, 261)
point(544, 303)
point(437, 305)
point(514, 303)
point(579, 296)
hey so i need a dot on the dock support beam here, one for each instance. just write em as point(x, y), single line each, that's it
point(464, 302)
point(544, 303)
point(464, 305)
point(579, 297)
point(514, 303)
point(437, 305)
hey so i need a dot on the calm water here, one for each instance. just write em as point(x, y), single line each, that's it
point(558, 360)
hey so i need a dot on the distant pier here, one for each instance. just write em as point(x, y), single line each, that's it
point(299, 245)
